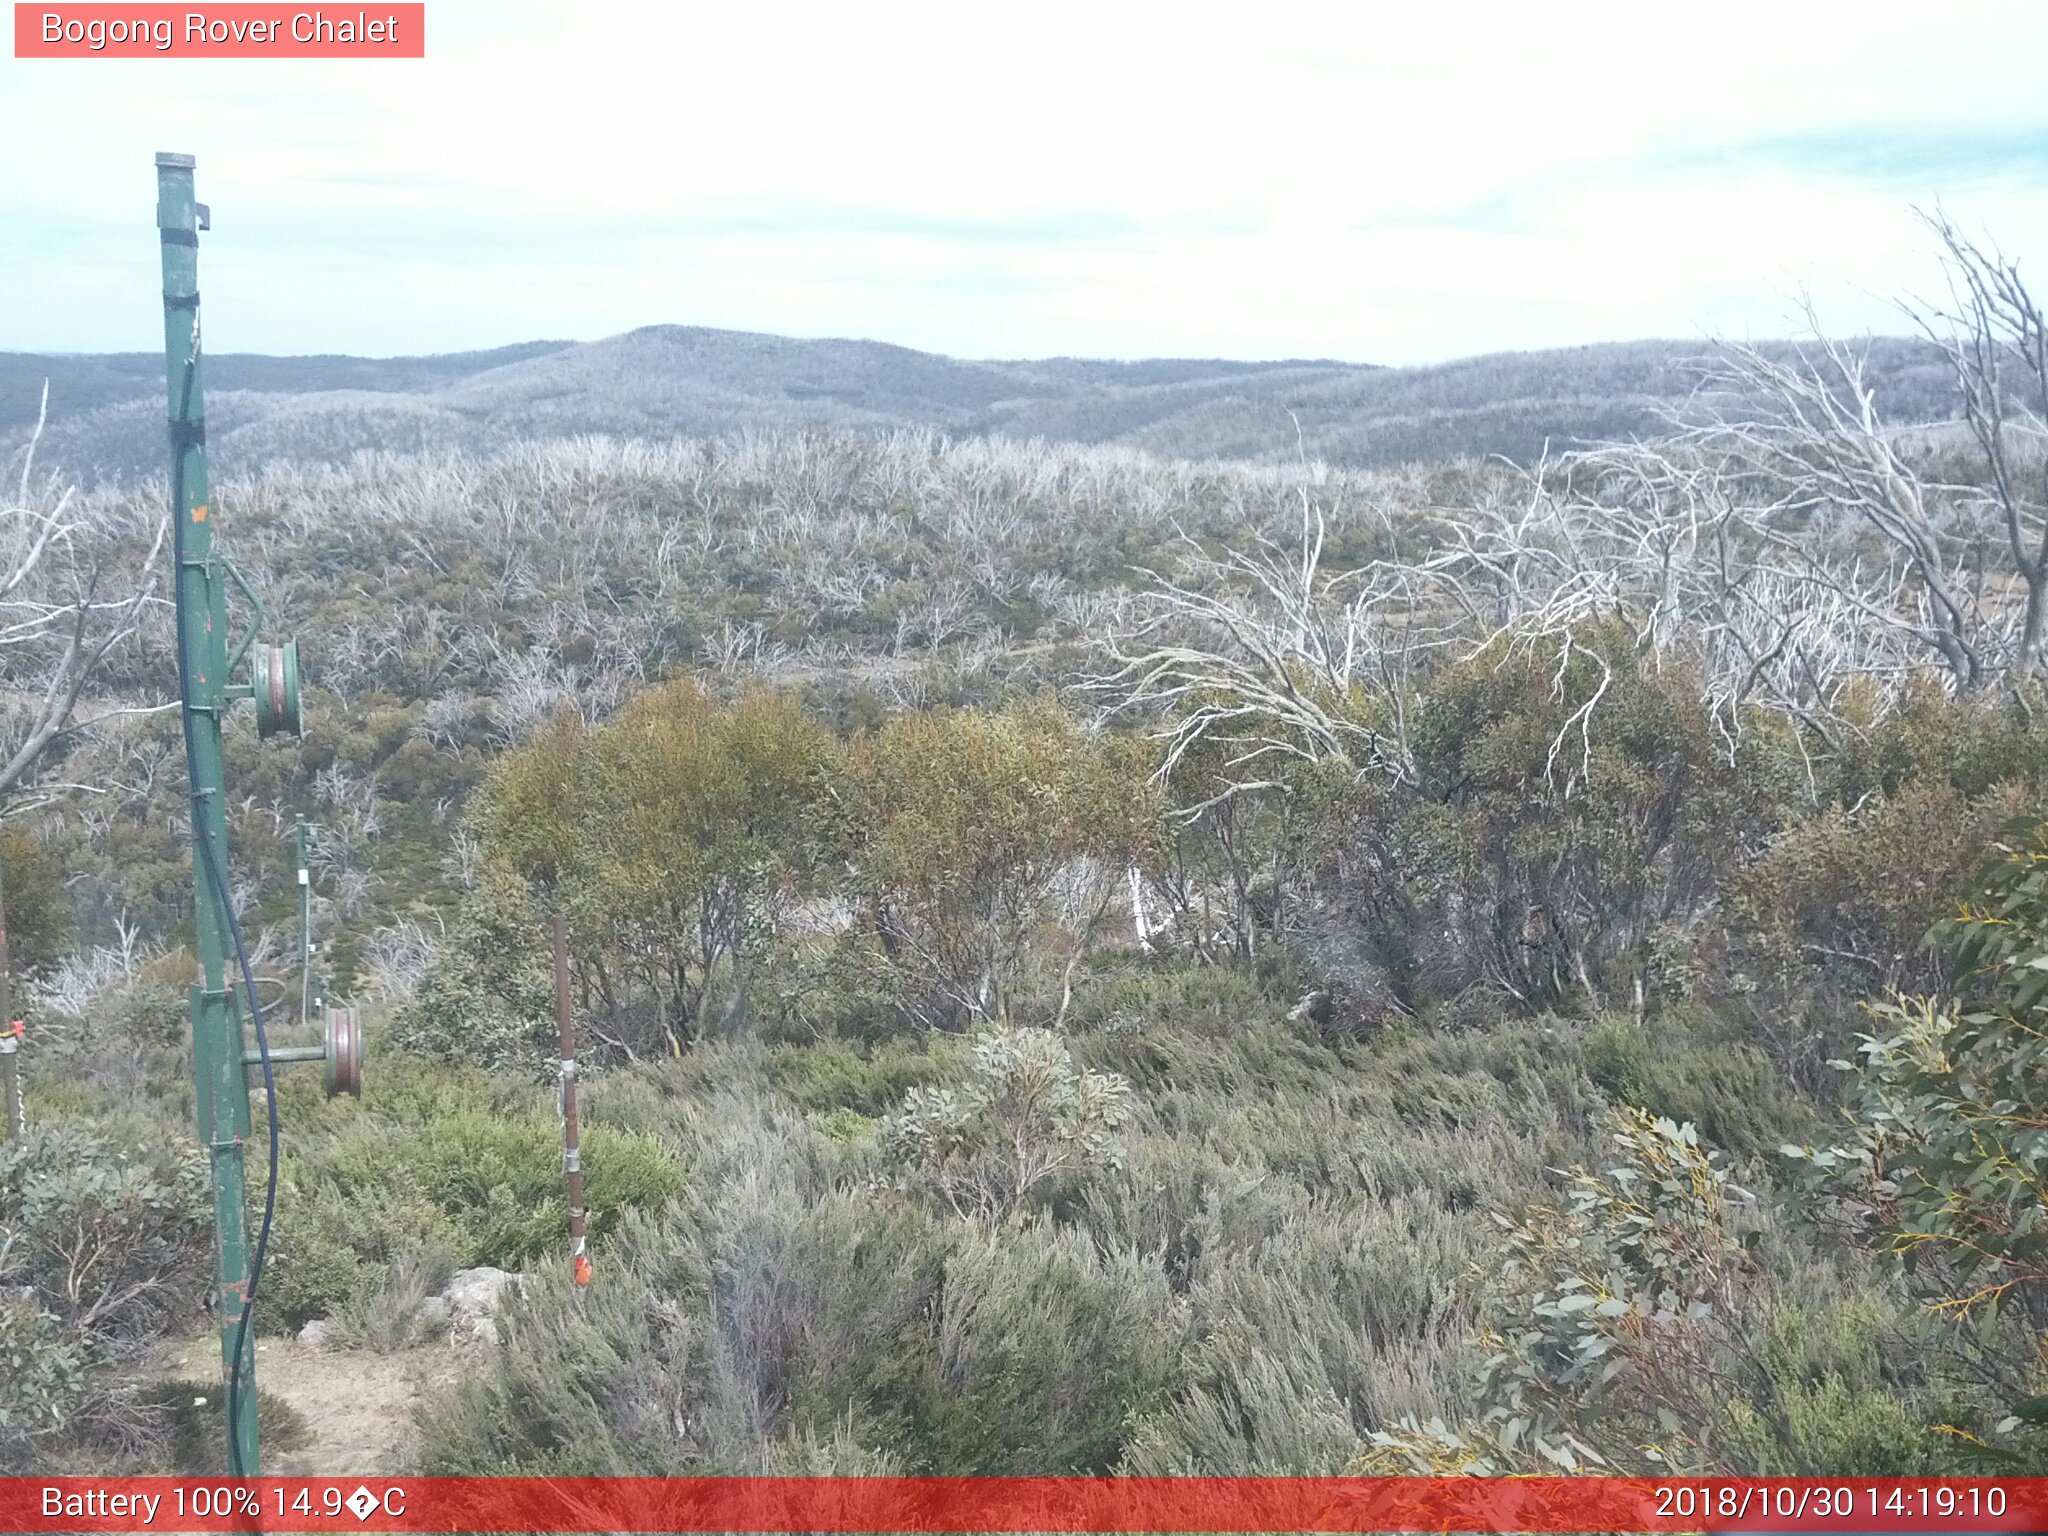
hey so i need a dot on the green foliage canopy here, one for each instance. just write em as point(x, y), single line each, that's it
point(967, 823)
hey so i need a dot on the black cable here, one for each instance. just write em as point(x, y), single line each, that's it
point(203, 840)
point(270, 1183)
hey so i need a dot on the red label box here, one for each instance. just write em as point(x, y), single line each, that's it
point(852, 1506)
point(232, 31)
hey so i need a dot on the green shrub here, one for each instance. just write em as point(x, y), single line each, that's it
point(152, 1012)
point(110, 1239)
point(1022, 1122)
point(494, 1179)
point(1944, 1170)
point(322, 1255)
point(1128, 997)
point(770, 1324)
point(673, 837)
point(1861, 1394)
point(871, 1080)
point(38, 913)
point(1618, 1326)
point(1972, 743)
point(1692, 1069)
point(815, 989)
point(441, 1166)
point(968, 830)
point(1563, 815)
point(45, 1378)
point(488, 997)
point(1037, 1356)
point(1844, 897)
point(102, 1246)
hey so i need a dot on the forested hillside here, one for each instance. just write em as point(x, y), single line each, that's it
point(1095, 960)
point(668, 380)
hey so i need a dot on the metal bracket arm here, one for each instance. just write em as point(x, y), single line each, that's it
point(256, 620)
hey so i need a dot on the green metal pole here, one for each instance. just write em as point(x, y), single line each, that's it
point(305, 931)
point(222, 1089)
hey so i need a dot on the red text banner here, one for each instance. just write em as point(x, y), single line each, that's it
point(232, 31)
point(905, 1504)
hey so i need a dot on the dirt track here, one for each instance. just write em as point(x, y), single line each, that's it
point(357, 1405)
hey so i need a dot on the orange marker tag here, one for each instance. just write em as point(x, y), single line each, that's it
point(199, 513)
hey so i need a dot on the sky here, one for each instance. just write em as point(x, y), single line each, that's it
point(1366, 181)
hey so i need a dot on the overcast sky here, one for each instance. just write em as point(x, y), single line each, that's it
point(1368, 181)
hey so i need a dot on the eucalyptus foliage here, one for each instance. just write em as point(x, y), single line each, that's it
point(1024, 1119)
point(101, 1246)
point(1616, 1328)
point(1944, 1167)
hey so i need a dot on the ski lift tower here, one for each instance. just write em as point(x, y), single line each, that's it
point(222, 1054)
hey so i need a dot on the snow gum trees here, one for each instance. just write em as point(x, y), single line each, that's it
point(672, 836)
point(960, 859)
point(979, 834)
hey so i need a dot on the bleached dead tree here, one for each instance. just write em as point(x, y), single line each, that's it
point(1270, 657)
point(1992, 332)
point(67, 599)
point(1687, 552)
point(1781, 537)
point(1838, 502)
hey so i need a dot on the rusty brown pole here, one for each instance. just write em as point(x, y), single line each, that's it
point(572, 1155)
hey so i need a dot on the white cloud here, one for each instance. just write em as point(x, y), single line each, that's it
point(1334, 180)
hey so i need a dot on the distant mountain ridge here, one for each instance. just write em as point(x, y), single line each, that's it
point(667, 380)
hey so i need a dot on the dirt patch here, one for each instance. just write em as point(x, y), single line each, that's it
point(354, 1407)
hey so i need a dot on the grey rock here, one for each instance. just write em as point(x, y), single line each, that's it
point(314, 1335)
point(472, 1295)
point(479, 1290)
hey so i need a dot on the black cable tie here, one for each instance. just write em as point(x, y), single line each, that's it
point(180, 237)
point(188, 434)
point(181, 300)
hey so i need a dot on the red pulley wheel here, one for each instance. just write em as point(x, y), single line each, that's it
point(344, 1052)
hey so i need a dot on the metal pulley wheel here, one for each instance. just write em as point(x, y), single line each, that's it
point(275, 678)
point(344, 1052)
